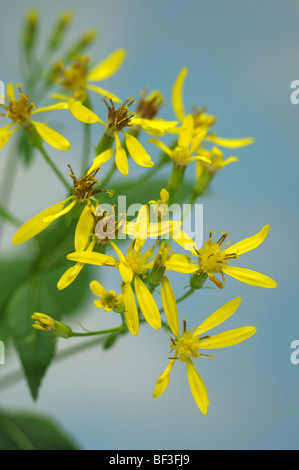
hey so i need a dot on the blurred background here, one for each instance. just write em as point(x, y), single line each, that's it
point(241, 59)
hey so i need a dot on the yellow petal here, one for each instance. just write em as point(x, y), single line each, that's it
point(118, 251)
point(164, 195)
point(50, 218)
point(161, 146)
point(176, 97)
point(163, 380)
point(83, 114)
point(180, 264)
point(230, 143)
point(170, 306)
point(125, 271)
point(10, 92)
point(97, 288)
point(69, 276)
point(121, 159)
point(107, 67)
point(197, 387)
point(228, 338)
point(35, 225)
point(131, 313)
point(147, 304)
point(250, 243)
point(155, 124)
point(103, 92)
point(98, 259)
point(51, 137)
point(83, 229)
point(5, 134)
point(230, 160)
point(138, 152)
point(59, 96)
point(100, 159)
point(185, 136)
point(52, 107)
point(219, 316)
point(249, 277)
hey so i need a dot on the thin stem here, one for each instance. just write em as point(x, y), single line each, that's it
point(85, 152)
point(7, 186)
point(6, 215)
point(109, 175)
point(54, 168)
point(101, 332)
point(183, 297)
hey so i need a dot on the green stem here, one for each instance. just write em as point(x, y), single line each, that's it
point(54, 168)
point(105, 143)
point(6, 215)
point(101, 332)
point(175, 181)
point(183, 297)
point(85, 152)
point(109, 175)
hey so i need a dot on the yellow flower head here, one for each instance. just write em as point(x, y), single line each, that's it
point(202, 121)
point(217, 161)
point(45, 323)
point(78, 79)
point(188, 143)
point(83, 192)
point(20, 110)
point(187, 346)
point(109, 300)
point(214, 259)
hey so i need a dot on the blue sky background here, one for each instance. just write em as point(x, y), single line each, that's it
point(241, 59)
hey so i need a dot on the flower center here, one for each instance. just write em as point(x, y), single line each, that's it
point(119, 118)
point(83, 188)
point(109, 299)
point(19, 110)
point(201, 119)
point(211, 258)
point(148, 107)
point(74, 78)
point(187, 346)
point(180, 155)
point(107, 227)
point(136, 261)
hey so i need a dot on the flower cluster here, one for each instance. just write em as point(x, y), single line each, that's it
point(101, 235)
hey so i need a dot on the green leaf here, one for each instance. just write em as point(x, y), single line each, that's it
point(24, 431)
point(35, 348)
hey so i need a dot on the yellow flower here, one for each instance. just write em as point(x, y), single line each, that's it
point(212, 259)
point(118, 119)
point(188, 143)
point(20, 111)
point(167, 260)
point(132, 267)
point(77, 79)
point(188, 344)
point(217, 161)
point(109, 300)
point(202, 121)
point(83, 192)
point(45, 323)
point(83, 232)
